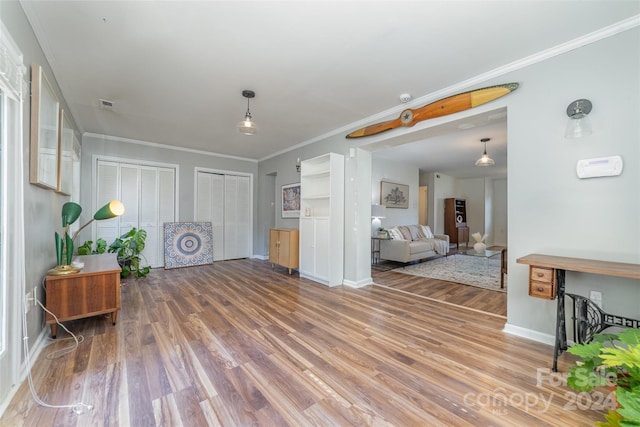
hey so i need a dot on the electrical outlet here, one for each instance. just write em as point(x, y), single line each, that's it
point(35, 296)
point(596, 297)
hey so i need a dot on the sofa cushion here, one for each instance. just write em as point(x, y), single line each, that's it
point(395, 234)
point(427, 232)
point(416, 232)
point(420, 246)
point(406, 233)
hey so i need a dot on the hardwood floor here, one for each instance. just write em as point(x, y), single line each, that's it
point(441, 290)
point(237, 344)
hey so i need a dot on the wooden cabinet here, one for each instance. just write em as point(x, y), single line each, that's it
point(94, 290)
point(322, 219)
point(283, 248)
point(455, 221)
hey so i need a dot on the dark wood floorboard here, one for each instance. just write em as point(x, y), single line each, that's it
point(238, 344)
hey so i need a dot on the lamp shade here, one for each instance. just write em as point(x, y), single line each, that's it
point(70, 213)
point(112, 209)
point(378, 211)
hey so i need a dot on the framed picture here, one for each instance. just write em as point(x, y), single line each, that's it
point(65, 155)
point(394, 195)
point(291, 201)
point(45, 123)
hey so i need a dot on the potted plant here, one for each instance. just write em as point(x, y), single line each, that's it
point(86, 248)
point(611, 360)
point(128, 249)
point(382, 232)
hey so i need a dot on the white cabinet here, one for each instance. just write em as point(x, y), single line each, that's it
point(322, 219)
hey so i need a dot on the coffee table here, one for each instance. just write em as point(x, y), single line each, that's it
point(486, 254)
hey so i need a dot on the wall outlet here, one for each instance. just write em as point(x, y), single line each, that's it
point(596, 297)
point(35, 296)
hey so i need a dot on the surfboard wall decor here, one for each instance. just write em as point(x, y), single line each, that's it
point(443, 107)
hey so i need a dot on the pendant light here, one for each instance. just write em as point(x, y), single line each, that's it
point(485, 160)
point(247, 126)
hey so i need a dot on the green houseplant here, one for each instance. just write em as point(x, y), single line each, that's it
point(128, 249)
point(87, 247)
point(611, 360)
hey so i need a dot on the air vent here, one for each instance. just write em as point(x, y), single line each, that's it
point(105, 104)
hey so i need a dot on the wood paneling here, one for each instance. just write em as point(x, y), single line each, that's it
point(236, 344)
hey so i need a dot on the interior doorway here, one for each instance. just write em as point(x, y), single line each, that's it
point(423, 200)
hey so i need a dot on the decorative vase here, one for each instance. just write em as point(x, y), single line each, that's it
point(479, 247)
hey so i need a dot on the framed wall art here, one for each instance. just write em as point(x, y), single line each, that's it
point(394, 195)
point(291, 201)
point(65, 155)
point(45, 123)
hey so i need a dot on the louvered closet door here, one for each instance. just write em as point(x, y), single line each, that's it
point(225, 201)
point(148, 195)
point(236, 217)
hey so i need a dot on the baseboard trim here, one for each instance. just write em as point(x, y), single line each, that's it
point(34, 353)
point(359, 283)
point(262, 257)
point(529, 334)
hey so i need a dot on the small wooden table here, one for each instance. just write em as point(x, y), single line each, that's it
point(546, 280)
point(94, 290)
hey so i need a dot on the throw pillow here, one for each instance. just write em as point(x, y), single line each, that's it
point(427, 232)
point(416, 232)
point(406, 233)
point(394, 233)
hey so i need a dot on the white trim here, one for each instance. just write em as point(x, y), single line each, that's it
point(359, 284)
point(465, 85)
point(529, 334)
point(261, 257)
point(109, 138)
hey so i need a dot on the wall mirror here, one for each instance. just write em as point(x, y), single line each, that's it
point(65, 155)
point(45, 122)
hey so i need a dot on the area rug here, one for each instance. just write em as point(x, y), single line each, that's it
point(468, 270)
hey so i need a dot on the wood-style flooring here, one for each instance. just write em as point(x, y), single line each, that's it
point(237, 344)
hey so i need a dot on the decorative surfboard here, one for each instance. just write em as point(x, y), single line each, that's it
point(443, 107)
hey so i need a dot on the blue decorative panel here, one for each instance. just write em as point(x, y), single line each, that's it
point(187, 244)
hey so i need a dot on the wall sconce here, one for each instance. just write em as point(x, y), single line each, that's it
point(64, 246)
point(579, 124)
point(298, 165)
point(377, 213)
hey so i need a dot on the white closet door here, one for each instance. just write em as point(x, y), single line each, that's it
point(107, 190)
point(148, 216)
point(225, 201)
point(166, 204)
point(236, 217)
point(148, 194)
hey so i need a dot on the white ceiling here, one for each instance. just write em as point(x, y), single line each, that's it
point(175, 70)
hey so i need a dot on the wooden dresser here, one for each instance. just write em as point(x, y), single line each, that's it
point(94, 290)
point(284, 248)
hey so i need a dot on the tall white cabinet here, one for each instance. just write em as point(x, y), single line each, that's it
point(322, 219)
point(148, 194)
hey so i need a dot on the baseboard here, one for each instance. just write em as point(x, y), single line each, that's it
point(359, 283)
point(529, 334)
point(262, 257)
point(34, 352)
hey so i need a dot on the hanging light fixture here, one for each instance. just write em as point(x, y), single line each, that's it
point(247, 126)
point(579, 124)
point(485, 160)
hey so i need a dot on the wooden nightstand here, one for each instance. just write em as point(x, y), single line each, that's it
point(94, 290)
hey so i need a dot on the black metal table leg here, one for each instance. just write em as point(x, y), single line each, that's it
point(561, 329)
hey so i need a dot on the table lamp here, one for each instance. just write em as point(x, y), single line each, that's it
point(64, 246)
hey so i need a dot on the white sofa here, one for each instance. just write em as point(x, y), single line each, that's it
point(412, 243)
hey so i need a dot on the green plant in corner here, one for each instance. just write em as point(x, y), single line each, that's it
point(613, 360)
point(87, 249)
point(128, 249)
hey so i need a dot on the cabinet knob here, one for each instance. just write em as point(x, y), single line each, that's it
point(540, 274)
point(540, 289)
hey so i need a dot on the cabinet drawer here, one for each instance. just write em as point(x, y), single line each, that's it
point(540, 274)
point(542, 289)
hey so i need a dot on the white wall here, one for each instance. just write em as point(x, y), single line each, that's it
point(500, 219)
point(399, 173)
point(553, 212)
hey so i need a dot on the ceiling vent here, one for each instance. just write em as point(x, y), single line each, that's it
point(105, 104)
